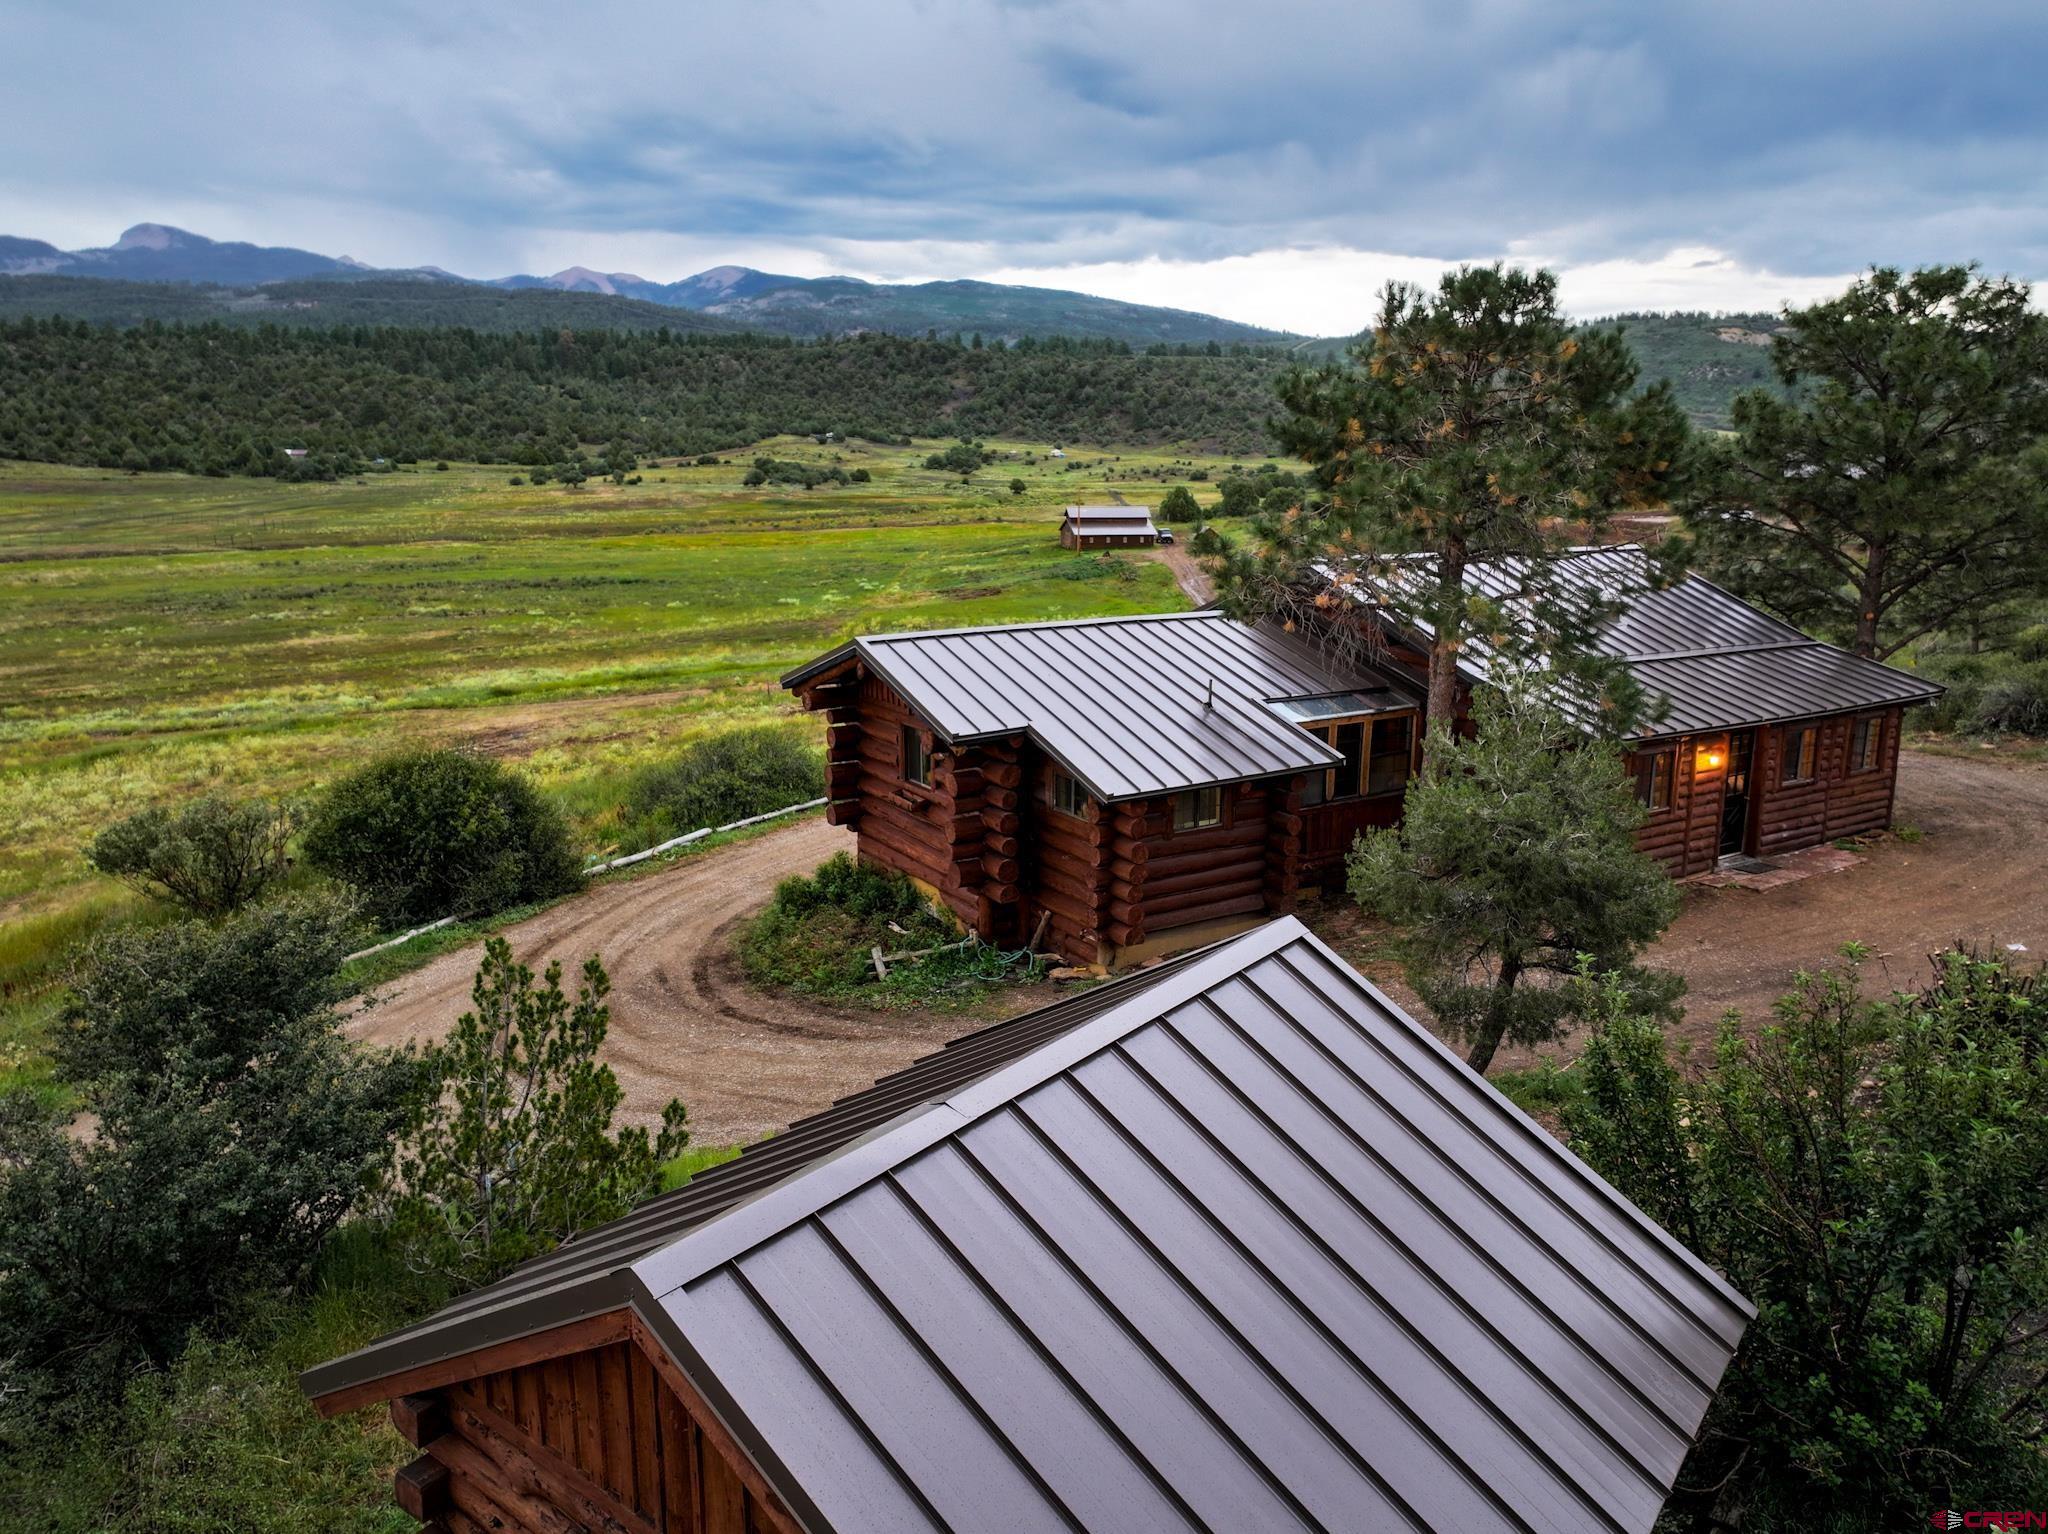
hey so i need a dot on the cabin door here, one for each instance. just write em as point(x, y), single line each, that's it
point(1735, 793)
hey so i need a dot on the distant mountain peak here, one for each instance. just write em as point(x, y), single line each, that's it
point(154, 237)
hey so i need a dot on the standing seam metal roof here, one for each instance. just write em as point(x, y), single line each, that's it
point(1131, 706)
point(1714, 661)
point(1248, 1250)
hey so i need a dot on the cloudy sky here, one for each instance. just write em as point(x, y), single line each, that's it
point(1273, 162)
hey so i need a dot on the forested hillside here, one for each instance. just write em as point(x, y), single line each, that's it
point(327, 302)
point(222, 399)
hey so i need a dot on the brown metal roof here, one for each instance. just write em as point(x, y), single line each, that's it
point(1131, 706)
point(1706, 659)
point(1248, 1251)
point(1245, 1248)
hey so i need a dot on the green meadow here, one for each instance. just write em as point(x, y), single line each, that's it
point(162, 636)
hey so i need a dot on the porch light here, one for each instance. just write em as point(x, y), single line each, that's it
point(1710, 758)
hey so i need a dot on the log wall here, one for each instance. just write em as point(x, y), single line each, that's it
point(1219, 871)
point(595, 1442)
point(1834, 801)
point(1686, 837)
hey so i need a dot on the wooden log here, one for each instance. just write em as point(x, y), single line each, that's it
point(1195, 915)
point(1131, 850)
point(1001, 844)
point(1001, 893)
point(421, 1488)
point(1125, 934)
point(420, 1419)
point(1003, 774)
point(486, 1490)
point(999, 822)
point(843, 812)
point(1001, 869)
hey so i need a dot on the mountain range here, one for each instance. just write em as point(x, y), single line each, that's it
point(735, 297)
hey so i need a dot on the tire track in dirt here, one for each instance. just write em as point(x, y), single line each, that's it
point(684, 1024)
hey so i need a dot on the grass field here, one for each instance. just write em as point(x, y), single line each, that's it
point(165, 635)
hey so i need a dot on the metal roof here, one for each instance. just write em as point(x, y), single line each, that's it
point(1108, 521)
point(1708, 658)
point(1245, 1248)
point(586, 1275)
point(1131, 706)
point(1249, 1250)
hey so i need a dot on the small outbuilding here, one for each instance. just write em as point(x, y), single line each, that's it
point(1107, 527)
point(1230, 1244)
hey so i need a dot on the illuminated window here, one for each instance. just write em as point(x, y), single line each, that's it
point(1653, 780)
point(1068, 796)
point(917, 761)
point(1797, 762)
point(1866, 741)
point(1198, 808)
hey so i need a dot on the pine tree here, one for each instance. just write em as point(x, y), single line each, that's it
point(1476, 425)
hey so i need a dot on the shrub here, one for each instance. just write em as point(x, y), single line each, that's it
point(426, 834)
point(723, 778)
point(235, 1127)
point(706, 460)
point(815, 934)
point(211, 856)
point(1179, 505)
point(1209, 542)
point(860, 476)
point(514, 1150)
point(2016, 701)
point(1874, 1177)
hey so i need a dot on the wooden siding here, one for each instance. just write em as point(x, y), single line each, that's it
point(1783, 817)
point(1071, 539)
point(1330, 828)
point(1834, 801)
point(597, 1440)
point(1197, 876)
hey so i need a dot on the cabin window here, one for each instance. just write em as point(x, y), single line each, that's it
point(1654, 779)
point(917, 760)
point(1796, 765)
point(1198, 809)
point(1393, 754)
point(1068, 796)
point(1379, 757)
point(1866, 741)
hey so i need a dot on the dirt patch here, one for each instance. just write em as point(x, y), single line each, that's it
point(1188, 573)
point(684, 1023)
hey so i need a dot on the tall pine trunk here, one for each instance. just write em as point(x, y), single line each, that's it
point(1868, 593)
point(1488, 1041)
point(1444, 645)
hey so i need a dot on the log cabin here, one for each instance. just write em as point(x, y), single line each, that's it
point(1756, 739)
point(1228, 1243)
point(1109, 789)
point(1107, 527)
point(1115, 789)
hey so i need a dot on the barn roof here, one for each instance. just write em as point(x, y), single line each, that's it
point(1110, 520)
point(1131, 706)
point(1234, 1244)
point(1712, 661)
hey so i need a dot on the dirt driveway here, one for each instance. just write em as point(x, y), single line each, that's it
point(684, 1023)
point(1980, 875)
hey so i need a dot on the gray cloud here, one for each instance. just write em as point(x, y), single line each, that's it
point(1805, 136)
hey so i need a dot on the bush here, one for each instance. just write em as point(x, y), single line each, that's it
point(2017, 701)
point(514, 1149)
point(1209, 543)
point(720, 779)
point(815, 934)
point(211, 857)
point(1987, 693)
point(860, 476)
point(235, 1127)
point(1874, 1177)
point(706, 460)
point(1179, 505)
point(427, 834)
